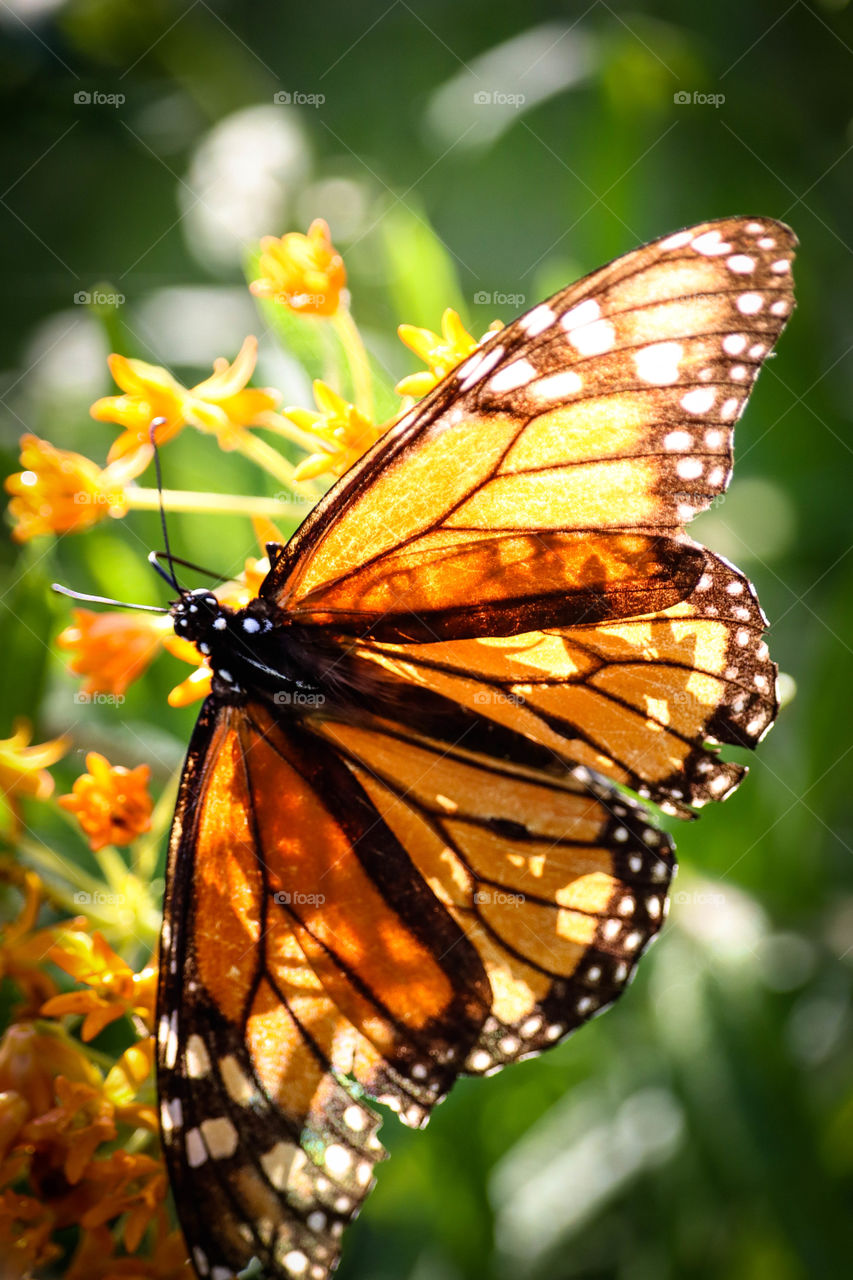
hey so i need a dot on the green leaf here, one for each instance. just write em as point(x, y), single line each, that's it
point(422, 276)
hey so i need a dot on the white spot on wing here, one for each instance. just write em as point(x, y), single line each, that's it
point(238, 1086)
point(689, 468)
point(740, 263)
point(658, 363)
point(699, 400)
point(296, 1262)
point(517, 374)
point(584, 313)
point(557, 386)
point(277, 1163)
point(537, 320)
point(593, 339)
point(196, 1151)
point(197, 1058)
point(478, 366)
point(355, 1119)
point(677, 441)
point(220, 1136)
point(711, 244)
point(337, 1160)
point(749, 304)
point(677, 241)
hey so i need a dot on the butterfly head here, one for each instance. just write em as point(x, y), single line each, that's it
point(196, 614)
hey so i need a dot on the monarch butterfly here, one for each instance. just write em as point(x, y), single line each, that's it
point(404, 847)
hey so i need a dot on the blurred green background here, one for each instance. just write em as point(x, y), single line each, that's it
point(704, 1127)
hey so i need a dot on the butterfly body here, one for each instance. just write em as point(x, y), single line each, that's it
point(405, 846)
point(249, 650)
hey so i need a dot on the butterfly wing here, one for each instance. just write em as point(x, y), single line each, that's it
point(401, 913)
point(558, 882)
point(645, 700)
point(545, 482)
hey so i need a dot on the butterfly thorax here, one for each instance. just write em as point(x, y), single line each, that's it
point(247, 649)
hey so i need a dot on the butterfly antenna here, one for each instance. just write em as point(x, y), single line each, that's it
point(167, 554)
point(117, 604)
point(154, 558)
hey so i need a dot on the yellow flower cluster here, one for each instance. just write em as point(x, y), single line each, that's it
point(61, 1115)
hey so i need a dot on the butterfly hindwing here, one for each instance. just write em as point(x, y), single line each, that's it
point(645, 700)
point(559, 883)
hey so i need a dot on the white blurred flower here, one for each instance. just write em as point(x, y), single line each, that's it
point(241, 181)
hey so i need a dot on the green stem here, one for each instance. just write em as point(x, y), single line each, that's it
point(144, 851)
point(45, 859)
point(271, 461)
point(140, 499)
point(356, 355)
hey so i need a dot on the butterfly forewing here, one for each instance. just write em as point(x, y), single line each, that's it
point(611, 407)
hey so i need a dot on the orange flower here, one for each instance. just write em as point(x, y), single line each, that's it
point(25, 1228)
point(62, 492)
point(125, 1080)
point(223, 404)
point(442, 352)
point(112, 649)
point(116, 990)
point(343, 431)
point(95, 1257)
point(111, 802)
point(198, 683)
point(31, 1060)
point(52, 1128)
point(23, 949)
point(125, 1184)
point(79, 1124)
point(302, 272)
point(23, 770)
